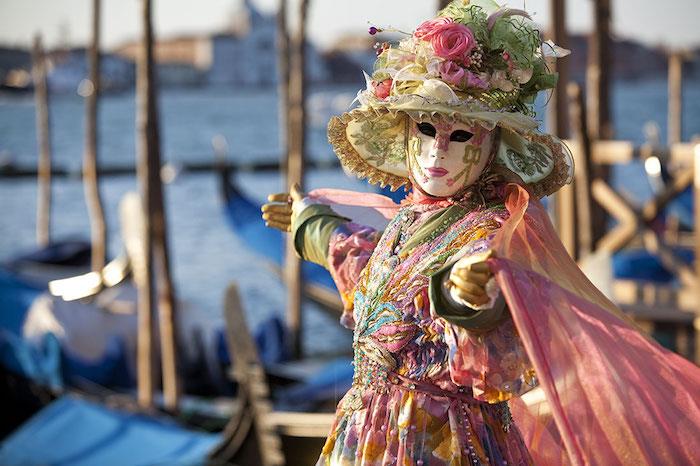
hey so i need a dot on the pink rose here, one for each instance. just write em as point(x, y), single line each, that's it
point(428, 28)
point(382, 89)
point(453, 41)
point(451, 73)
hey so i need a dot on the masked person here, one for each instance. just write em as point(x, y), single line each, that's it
point(467, 299)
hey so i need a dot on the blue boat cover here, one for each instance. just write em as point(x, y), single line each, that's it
point(42, 362)
point(75, 432)
point(396, 196)
point(46, 361)
point(331, 382)
point(271, 339)
point(69, 251)
point(640, 264)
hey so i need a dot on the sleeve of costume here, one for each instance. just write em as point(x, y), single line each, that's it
point(341, 246)
point(312, 230)
point(485, 351)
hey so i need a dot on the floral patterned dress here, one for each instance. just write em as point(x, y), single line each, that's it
point(426, 391)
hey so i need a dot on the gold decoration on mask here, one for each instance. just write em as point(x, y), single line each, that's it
point(414, 149)
point(472, 154)
point(471, 158)
point(414, 145)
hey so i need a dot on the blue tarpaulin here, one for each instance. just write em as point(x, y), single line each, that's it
point(75, 432)
point(48, 360)
point(39, 362)
point(329, 383)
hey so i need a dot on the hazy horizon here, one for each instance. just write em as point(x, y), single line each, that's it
point(68, 21)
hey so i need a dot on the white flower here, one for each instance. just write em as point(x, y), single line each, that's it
point(408, 44)
point(424, 52)
point(499, 80)
point(522, 75)
point(437, 90)
point(433, 67)
point(550, 49)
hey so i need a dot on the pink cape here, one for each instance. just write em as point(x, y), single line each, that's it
point(608, 395)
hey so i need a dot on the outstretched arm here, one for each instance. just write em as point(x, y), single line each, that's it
point(311, 225)
point(324, 237)
point(485, 350)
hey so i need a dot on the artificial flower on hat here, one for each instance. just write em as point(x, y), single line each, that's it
point(476, 62)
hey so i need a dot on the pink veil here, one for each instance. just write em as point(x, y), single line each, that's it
point(615, 396)
point(608, 395)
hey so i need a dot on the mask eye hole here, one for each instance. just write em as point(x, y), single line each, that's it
point(427, 129)
point(461, 136)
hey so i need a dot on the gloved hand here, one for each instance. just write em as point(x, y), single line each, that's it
point(467, 280)
point(277, 212)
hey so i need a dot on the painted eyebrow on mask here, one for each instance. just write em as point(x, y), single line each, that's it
point(461, 136)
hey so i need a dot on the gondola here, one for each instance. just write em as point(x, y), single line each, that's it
point(79, 429)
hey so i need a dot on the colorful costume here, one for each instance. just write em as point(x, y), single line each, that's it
point(433, 379)
point(426, 390)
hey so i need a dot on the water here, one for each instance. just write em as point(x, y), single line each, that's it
point(206, 254)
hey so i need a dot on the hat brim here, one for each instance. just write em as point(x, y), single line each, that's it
point(371, 142)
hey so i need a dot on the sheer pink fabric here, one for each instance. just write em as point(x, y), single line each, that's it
point(494, 364)
point(369, 209)
point(349, 249)
point(608, 394)
point(615, 396)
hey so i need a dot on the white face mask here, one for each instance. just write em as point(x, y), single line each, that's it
point(446, 158)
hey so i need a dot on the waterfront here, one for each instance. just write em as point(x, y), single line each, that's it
point(206, 253)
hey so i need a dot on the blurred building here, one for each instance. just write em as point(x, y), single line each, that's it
point(247, 55)
point(68, 68)
point(242, 56)
point(181, 60)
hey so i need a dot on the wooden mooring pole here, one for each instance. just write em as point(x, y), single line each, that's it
point(155, 239)
point(557, 111)
point(41, 99)
point(283, 78)
point(98, 228)
point(598, 73)
point(146, 291)
point(675, 97)
point(295, 171)
point(584, 244)
point(557, 118)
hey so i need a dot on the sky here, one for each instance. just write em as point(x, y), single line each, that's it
point(672, 23)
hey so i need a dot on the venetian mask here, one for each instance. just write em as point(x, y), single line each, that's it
point(445, 158)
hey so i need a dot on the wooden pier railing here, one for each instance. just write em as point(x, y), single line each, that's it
point(656, 307)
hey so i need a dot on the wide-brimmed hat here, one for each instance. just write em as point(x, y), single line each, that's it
point(476, 63)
